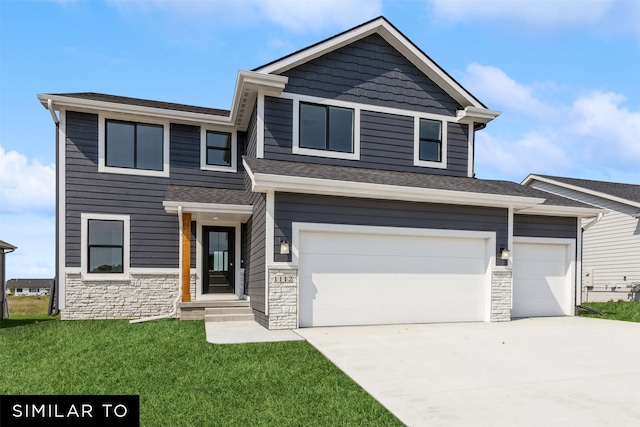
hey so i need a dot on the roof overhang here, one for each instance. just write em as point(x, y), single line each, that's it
point(215, 211)
point(248, 85)
point(261, 182)
point(572, 211)
point(528, 180)
point(476, 115)
point(396, 39)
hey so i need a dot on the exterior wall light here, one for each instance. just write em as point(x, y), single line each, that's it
point(505, 253)
point(284, 247)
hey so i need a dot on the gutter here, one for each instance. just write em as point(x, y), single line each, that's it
point(179, 297)
point(52, 111)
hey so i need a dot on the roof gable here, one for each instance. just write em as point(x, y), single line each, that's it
point(622, 193)
point(395, 38)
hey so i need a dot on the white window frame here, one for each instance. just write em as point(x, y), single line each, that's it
point(203, 150)
point(295, 140)
point(102, 166)
point(84, 240)
point(442, 164)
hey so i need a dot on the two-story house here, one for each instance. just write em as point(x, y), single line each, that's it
point(338, 190)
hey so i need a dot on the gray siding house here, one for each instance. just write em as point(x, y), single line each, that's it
point(339, 189)
point(611, 242)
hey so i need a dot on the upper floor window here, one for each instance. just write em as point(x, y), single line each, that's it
point(430, 149)
point(325, 127)
point(132, 147)
point(430, 140)
point(218, 150)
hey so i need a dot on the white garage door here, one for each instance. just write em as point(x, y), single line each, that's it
point(358, 278)
point(542, 277)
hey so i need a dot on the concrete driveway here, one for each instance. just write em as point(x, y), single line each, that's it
point(565, 371)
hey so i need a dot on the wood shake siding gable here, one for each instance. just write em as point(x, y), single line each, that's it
point(154, 233)
point(290, 207)
point(370, 71)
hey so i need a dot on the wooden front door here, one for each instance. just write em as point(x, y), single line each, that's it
point(218, 248)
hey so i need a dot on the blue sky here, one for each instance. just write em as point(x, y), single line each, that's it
point(564, 73)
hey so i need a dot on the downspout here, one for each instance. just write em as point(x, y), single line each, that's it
point(52, 309)
point(179, 297)
point(592, 223)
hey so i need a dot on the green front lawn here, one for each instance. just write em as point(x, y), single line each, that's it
point(182, 380)
point(628, 311)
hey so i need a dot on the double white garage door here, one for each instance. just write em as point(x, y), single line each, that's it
point(377, 275)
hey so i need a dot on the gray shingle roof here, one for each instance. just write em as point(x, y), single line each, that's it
point(404, 179)
point(629, 192)
point(189, 194)
point(145, 103)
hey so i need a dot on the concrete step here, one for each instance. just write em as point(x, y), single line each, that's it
point(228, 317)
point(228, 310)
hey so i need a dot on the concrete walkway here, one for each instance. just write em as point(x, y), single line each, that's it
point(566, 371)
point(245, 332)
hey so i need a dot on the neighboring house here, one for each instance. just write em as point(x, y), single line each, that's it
point(29, 286)
point(611, 244)
point(338, 190)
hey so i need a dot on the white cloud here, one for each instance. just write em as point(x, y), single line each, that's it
point(593, 135)
point(34, 235)
point(500, 91)
point(25, 185)
point(293, 15)
point(540, 16)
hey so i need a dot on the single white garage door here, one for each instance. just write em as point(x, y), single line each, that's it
point(362, 278)
point(543, 277)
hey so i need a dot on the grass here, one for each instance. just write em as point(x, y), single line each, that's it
point(628, 311)
point(182, 380)
point(24, 310)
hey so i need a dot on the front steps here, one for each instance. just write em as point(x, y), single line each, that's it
point(217, 311)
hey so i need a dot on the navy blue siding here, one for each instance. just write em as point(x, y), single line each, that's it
point(154, 233)
point(252, 136)
point(545, 226)
point(291, 208)
point(255, 261)
point(370, 71)
point(386, 141)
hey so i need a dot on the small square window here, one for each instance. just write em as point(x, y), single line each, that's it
point(219, 148)
point(430, 140)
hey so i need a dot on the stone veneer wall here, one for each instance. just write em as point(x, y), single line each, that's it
point(144, 294)
point(283, 298)
point(501, 294)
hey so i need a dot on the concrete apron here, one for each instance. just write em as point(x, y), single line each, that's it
point(563, 371)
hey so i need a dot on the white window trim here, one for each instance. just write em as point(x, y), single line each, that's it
point(203, 150)
point(84, 240)
point(416, 144)
point(102, 166)
point(295, 140)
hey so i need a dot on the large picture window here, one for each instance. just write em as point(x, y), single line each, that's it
point(324, 127)
point(430, 140)
point(134, 145)
point(105, 246)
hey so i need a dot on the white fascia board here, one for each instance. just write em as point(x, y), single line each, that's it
point(549, 210)
point(476, 115)
point(173, 115)
point(248, 85)
point(264, 182)
point(395, 39)
point(528, 180)
point(217, 208)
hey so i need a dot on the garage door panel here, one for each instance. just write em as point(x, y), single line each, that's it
point(386, 264)
point(541, 279)
point(357, 279)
